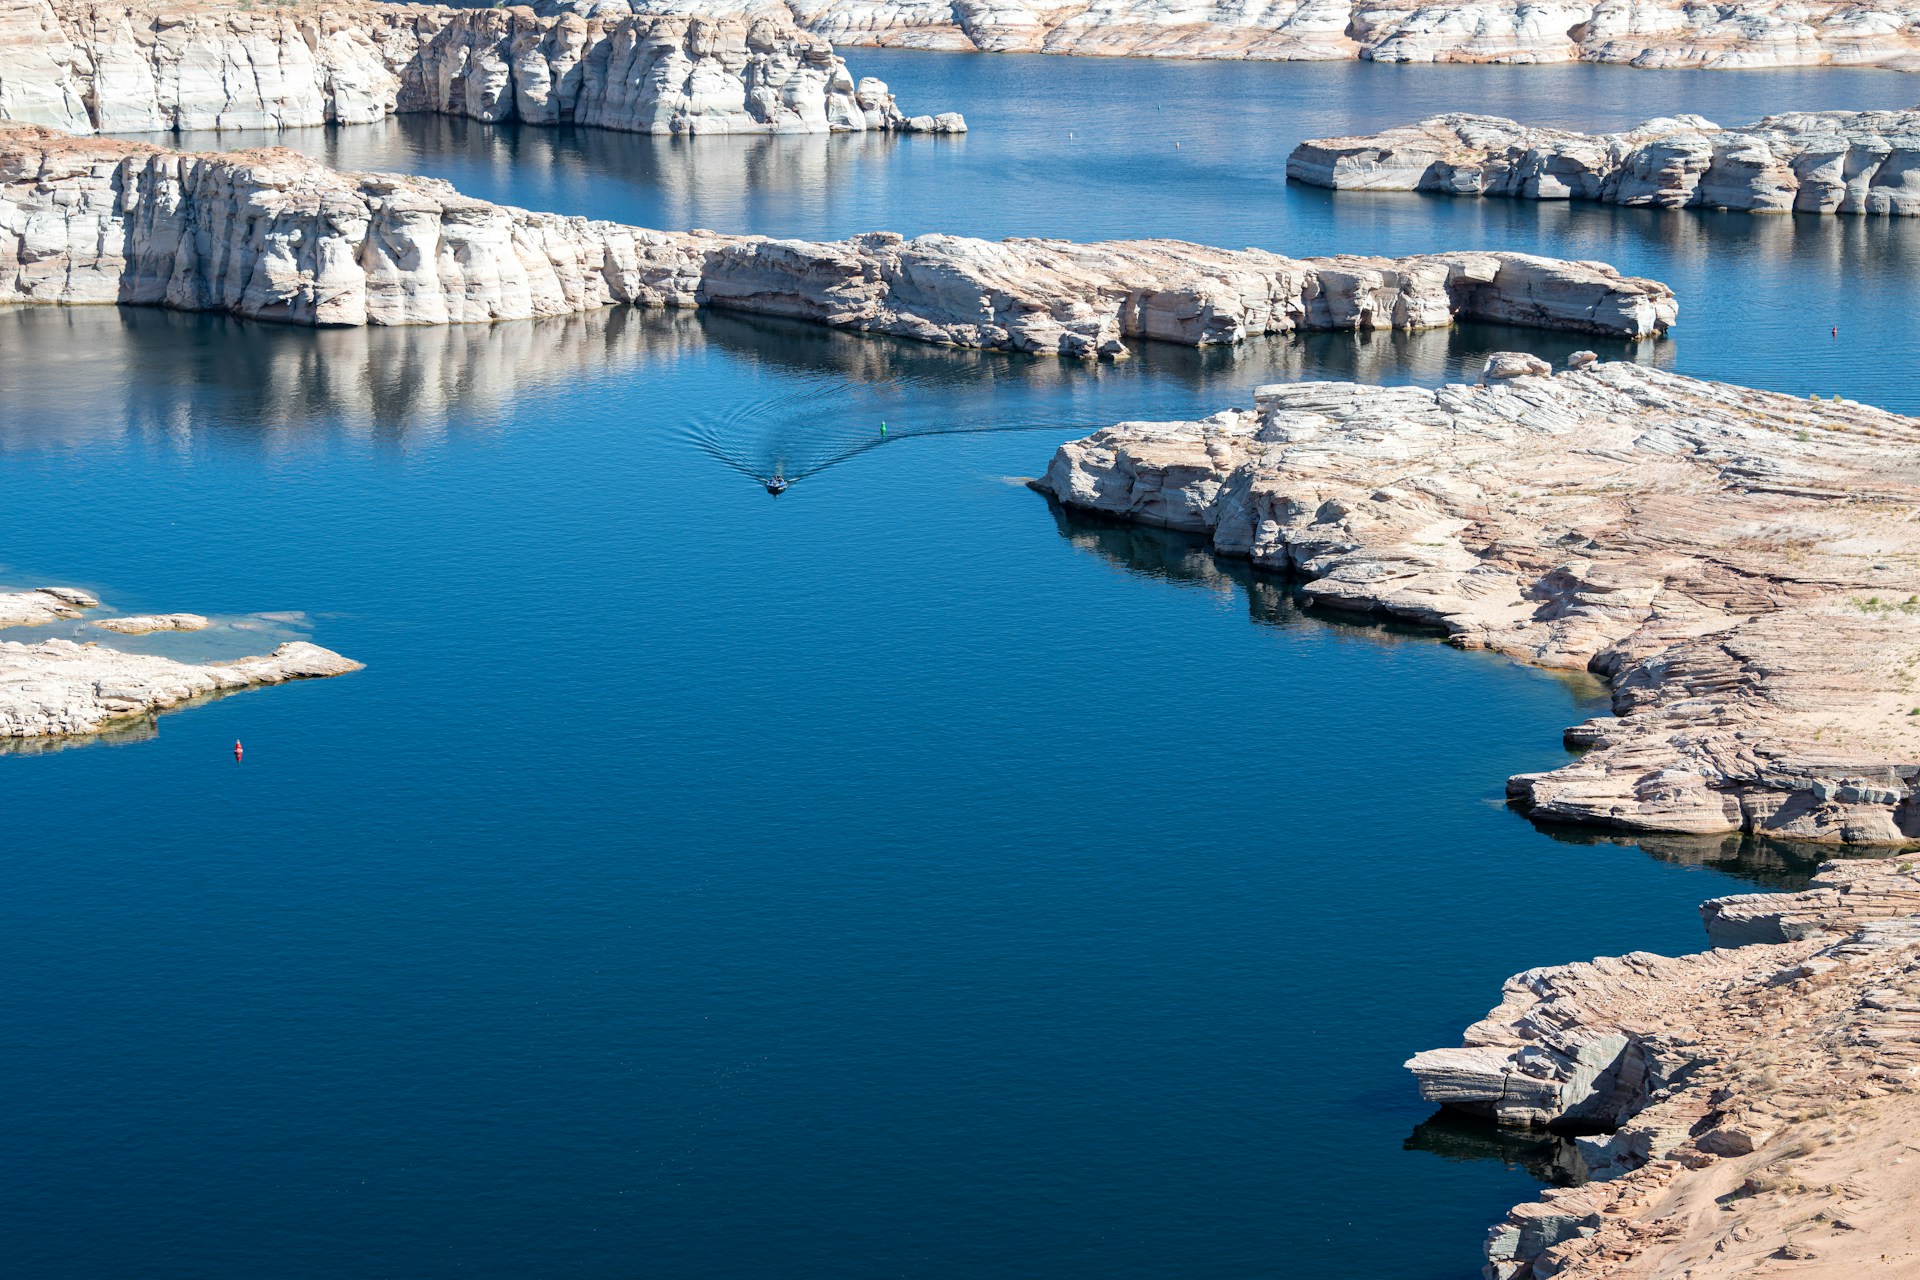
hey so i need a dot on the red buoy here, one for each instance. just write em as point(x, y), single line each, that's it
point(236, 749)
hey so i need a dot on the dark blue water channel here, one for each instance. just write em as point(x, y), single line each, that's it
point(896, 878)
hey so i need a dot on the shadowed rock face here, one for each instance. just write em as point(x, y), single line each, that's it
point(1740, 564)
point(143, 67)
point(1758, 1099)
point(1803, 162)
point(274, 235)
point(1641, 33)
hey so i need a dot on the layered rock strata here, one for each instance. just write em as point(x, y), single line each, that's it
point(1640, 33)
point(207, 65)
point(58, 688)
point(1743, 566)
point(1802, 162)
point(273, 235)
point(1760, 1101)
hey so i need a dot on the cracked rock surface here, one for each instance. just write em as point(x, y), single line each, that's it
point(1761, 1100)
point(1743, 567)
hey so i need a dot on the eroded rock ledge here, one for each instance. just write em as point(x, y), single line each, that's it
point(205, 64)
point(1744, 566)
point(274, 235)
point(1803, 162)
point(1762, 1099)
point(58, 688)
point(1640, 33)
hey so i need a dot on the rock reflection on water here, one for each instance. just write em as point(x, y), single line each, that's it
point(1552, 1158)
point(92, 375)
point(1775, 866)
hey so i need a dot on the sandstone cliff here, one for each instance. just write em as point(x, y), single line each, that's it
point(142, 67)
point(1640, 33)
point(1742, 565)
point(1759, 1104)
point(1803, 162)
point(274, 235)
point(57, 688)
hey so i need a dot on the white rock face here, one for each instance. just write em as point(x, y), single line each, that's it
point(1741, 565)
point(59, 688)
point(274, 235)
point(1747, 1090)
point(44, 604)
point(118, 68)
point(1641, 33)
point(147, 623)
point(1802, 162)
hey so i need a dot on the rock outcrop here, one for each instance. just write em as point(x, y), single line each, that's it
point(1754, 1103)
point(206, 65)
point(1742, 565)
point(44, 604)
point(147, 623)
point(58, 688)
point(1640, 33)
point(273, 235)
point(1802, 162)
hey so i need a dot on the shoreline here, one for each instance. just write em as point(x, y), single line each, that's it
point(1721, 662)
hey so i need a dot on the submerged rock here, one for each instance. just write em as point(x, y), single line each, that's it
point(145, 66)
point(1802, 162)
point(1742, 565)
point(274, 235)
point(1742, 1096)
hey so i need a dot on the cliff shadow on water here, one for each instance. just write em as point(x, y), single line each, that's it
point(1275, 600)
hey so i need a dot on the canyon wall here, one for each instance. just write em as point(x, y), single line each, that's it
point(139, 68)
point(1801, 162)
point(1640, 33)
point(274, 235)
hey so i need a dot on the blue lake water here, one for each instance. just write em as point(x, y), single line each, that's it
point(896, 878)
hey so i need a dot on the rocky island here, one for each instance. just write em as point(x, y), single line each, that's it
point(1639, 33)
point(1741, 565)
point(206, 65)
point(59, 688)
point(273, 235)
point(1802, 162)
point(1754, 1104)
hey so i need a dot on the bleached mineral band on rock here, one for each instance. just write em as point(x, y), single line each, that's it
point(1638, 33)
point(1743, 566)
point(211, 65)
point(58, 688)
point(274, 235)
point(1755, 1103)
point(1802, 162)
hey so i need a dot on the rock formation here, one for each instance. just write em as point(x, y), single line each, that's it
point(147, 623)
point(274, 235)
point(1742, 565)
point(1640, 33)
point(207, 65)
point(44, 604)
point(58, 688)
point(1802, 162)
point(1757, 1103)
